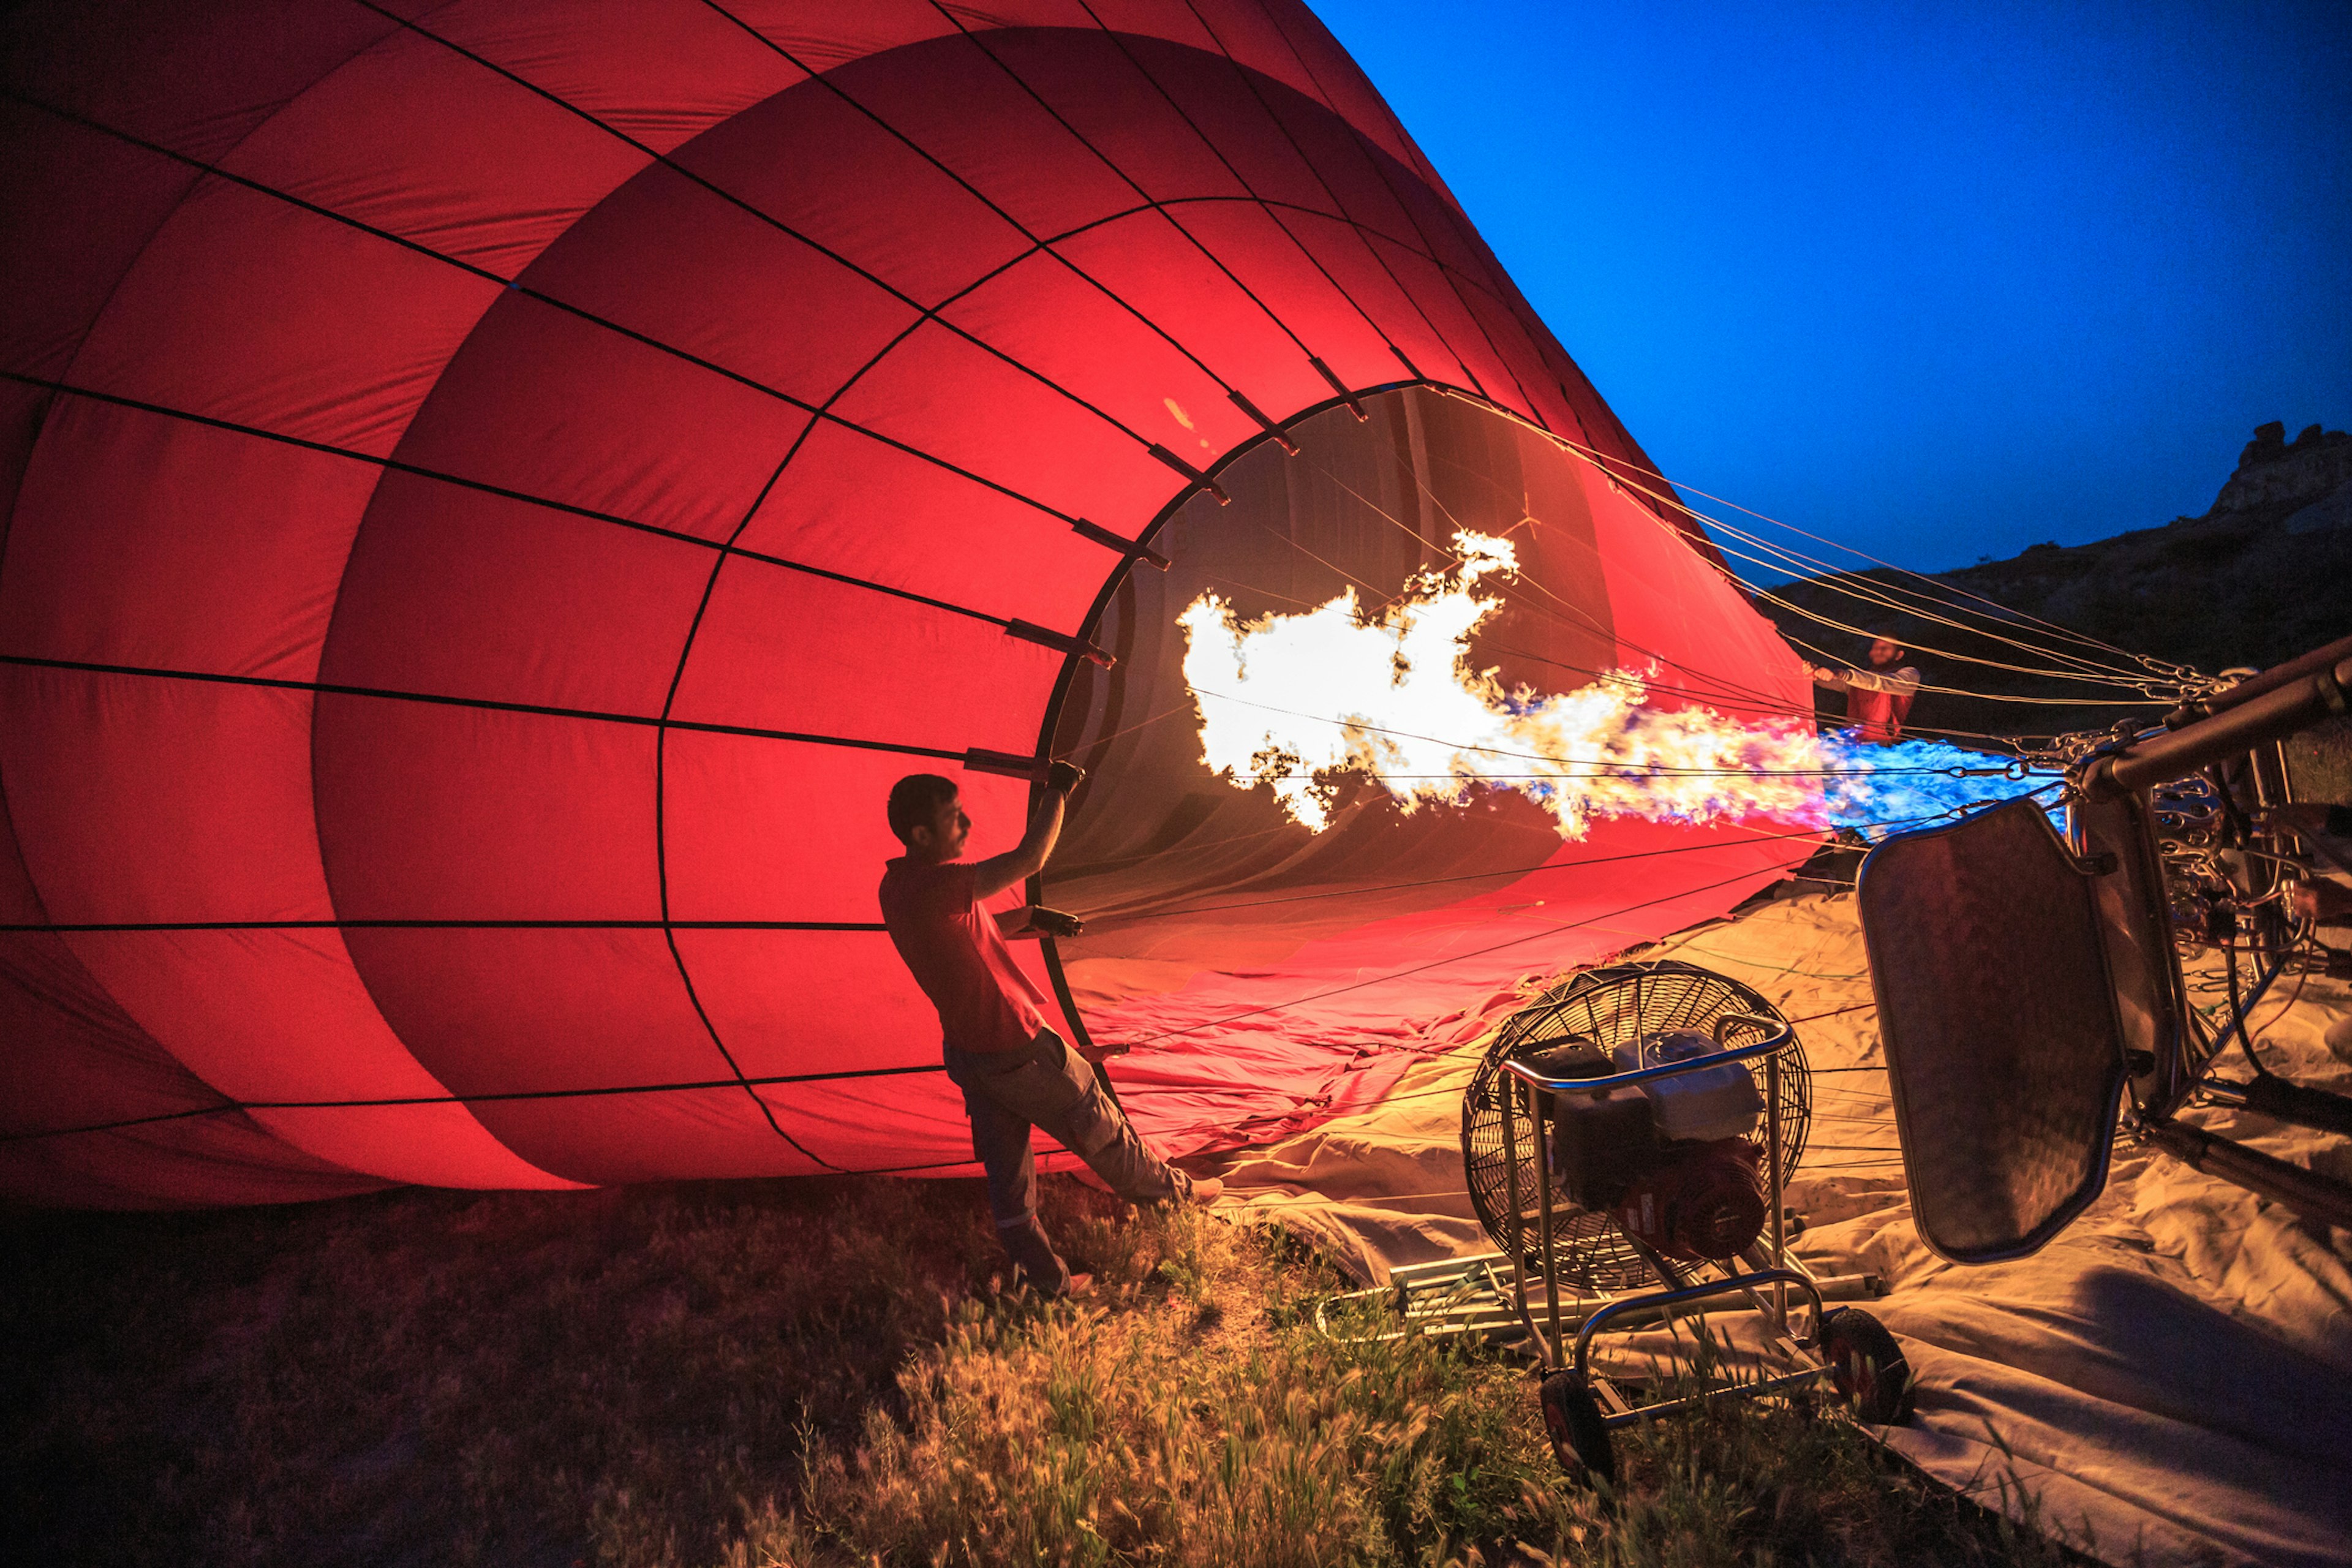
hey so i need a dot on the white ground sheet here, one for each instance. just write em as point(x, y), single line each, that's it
point(2171, 1377)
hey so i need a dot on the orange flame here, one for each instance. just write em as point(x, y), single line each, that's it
point(1300, 702)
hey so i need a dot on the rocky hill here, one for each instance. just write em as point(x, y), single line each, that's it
point(2265, 575)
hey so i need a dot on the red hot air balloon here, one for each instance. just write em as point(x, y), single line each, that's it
point(495, 491)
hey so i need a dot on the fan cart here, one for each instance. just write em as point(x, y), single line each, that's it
point(1628, 1141)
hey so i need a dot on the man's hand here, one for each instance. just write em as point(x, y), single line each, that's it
point(1064, 777)
point(1099, 1053)
point(1054, 923)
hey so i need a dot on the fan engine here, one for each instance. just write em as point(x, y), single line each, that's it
point(1676, 1165)
point(1673, 1161)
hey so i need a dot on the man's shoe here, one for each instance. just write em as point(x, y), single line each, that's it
point(1205, 1189)
point(1079, 1287)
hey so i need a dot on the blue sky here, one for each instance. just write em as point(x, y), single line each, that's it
point(1937, 281)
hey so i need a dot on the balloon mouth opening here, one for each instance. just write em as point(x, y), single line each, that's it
point(1179, 868)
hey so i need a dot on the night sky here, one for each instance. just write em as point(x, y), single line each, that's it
point(1938, 282)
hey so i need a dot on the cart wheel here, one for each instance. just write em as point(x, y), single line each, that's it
point(1866, 1366)
point(1580, 1435)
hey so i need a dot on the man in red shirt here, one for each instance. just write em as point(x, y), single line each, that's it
point(1016, 1072)
point(1878, 699)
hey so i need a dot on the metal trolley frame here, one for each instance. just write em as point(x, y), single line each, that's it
point(1847, 1349)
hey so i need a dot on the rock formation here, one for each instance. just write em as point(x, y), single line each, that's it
point(2276, 476)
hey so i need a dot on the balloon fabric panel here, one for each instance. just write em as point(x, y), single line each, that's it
point(495, 498)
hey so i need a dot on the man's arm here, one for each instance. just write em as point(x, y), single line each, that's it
point(1028, 859)
point(1900, 683)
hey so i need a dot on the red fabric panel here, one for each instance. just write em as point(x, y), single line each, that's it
point(1101, 93)
point(1021, 433)
point(1146, 21)
point(77, 1059)
point(797, 1002)
point(146, 540)
point(507, 1012)
point(930, 1134)
point(872, 199)
point(1312, 60)
point(657, 71)
point(195, 78)
point(606, 1138)
point(1347, 254)
point(1273, 266)
point(1229, 108)
point(247, 310)
point(849, 502)
point(504, 1011)
point(142, 800)
point(558, 409)
point(1149, 262)
point(440, 1146)
point(522, 602)
point(200, 1162)
point(768, 830)
point(822, 39)
point(1344, 164)
point(1434, 295)
point(1506, 345)
point(1245, 30)
point(246, 1010)
point(94, 1064)
point(1086, 342)
point(81, 205)
point(1436, 223)
point(428, 811)
point(22, 411)
point(785, 650)
point(953, 99)
point(798, 321)
point(415, 139)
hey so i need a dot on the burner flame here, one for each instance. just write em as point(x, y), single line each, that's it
point(1301, 703)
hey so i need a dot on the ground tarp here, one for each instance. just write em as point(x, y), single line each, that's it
point(2167, 1378)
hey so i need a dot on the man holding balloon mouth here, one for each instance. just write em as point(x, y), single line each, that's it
point(1014, 1071)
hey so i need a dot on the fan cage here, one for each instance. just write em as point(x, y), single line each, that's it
point(1614, 1006)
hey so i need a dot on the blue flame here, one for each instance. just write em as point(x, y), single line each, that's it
point(1878, 790)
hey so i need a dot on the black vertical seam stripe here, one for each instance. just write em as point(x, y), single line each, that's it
point(661, 758)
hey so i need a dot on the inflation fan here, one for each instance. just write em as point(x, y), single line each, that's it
point(1627, 1139)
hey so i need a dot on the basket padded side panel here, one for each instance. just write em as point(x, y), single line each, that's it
point(2000, 1025)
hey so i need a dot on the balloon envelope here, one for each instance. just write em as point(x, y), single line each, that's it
point(496, 491)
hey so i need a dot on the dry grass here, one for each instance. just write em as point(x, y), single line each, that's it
point(818, 1373)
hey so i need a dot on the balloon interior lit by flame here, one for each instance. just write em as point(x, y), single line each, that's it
point(1300, 703)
